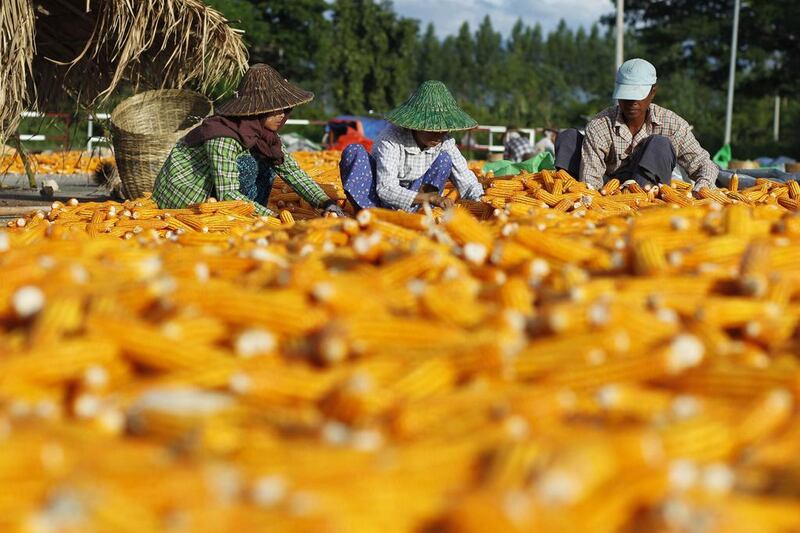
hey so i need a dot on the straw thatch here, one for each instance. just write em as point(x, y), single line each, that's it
point(82, 50)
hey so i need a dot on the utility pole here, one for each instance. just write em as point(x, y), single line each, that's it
point(732, 72)
point(620, 31)
point(776, 129)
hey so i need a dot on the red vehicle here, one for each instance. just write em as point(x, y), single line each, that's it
point(344, 130)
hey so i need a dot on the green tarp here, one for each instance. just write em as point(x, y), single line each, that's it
point(543, 161)
point(723, 156)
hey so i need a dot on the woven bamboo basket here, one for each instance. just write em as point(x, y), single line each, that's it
point(145, 127)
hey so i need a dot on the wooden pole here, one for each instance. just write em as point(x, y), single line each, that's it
point(25, 161)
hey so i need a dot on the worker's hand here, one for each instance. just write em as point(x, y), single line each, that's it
point(440, 201)
point(332, 209)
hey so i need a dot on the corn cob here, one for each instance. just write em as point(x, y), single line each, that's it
point(610, 187)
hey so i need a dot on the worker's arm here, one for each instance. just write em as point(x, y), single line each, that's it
point(463, 178)
point(222, 153)
point(301, 182)
point(593, 158)
point(691, 156)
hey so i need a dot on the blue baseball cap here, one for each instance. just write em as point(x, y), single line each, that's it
point(635, 78)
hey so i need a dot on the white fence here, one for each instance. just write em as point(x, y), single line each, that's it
point(495, 134)
point(93, 139)
point(492, 147)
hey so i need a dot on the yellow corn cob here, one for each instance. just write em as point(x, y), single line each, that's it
point(59, 316)
point(681, 186)
point(499, 192)
point(715, 250)
point(736, 311)
point(610, 187)
point(547, 178)
point(545, 356)
point(738, 220)
point(789, 203)
point(733, 186)
point(452, 305)
point(509, 254)
point(228, 206)
point(714, 194)
point(794, 189)
point(531, 184)
point(397, 233)
point(669, 194)
point(633, 199)
point(635, 188)
point(286, 218)
point(517, 295)
point(649, 258)
point(564, 205)
point(512, 184)
point(466, 229)
point(564, 175)
point(429, 378)
point(512, 464)
point(555, 247)
point(58, 362)
point(413, 221)
point(518, 209)
point(524, 198)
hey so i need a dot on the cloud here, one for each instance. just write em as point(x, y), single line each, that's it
point(448, 15)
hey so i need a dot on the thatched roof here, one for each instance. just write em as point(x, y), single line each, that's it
point(84, 49)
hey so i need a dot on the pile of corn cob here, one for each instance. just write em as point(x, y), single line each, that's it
point(66, 162)
point(551, 358)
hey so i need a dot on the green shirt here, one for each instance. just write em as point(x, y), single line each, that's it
point(191, 174)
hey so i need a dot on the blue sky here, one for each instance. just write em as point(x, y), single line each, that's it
point(447, 15)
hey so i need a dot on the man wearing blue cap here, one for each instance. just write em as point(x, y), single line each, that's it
point(636, 139)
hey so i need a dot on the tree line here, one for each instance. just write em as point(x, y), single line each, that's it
point(360, 56)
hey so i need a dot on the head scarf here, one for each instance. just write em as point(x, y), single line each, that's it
point(249, 131)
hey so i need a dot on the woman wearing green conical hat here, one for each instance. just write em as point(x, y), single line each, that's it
point(413, 157)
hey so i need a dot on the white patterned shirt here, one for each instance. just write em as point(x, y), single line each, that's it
point(400, 161)
point(608, 143)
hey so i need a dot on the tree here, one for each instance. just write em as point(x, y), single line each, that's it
point(359, 55)
point(372, 63)
point(429, 64)
point(286, 34)
point(489, 55)
point(297, 31)
point(689, 42)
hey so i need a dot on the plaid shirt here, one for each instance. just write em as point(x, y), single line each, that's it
point(399, 160)
point(191, 174)
point(517, 147)
point(608, 143)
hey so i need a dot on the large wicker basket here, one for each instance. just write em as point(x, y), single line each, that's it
point(145, 127)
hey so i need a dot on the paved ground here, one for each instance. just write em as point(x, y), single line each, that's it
point(20, 199)
point(64, 180)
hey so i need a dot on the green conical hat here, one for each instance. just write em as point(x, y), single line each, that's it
point(431, 108)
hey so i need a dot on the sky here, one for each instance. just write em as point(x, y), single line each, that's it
point(448, 15)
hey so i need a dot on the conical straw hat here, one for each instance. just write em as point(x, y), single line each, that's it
point(431, 108)
point(262, 90)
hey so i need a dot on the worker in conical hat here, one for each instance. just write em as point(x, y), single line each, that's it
point(413, 157)
point(237, 153)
